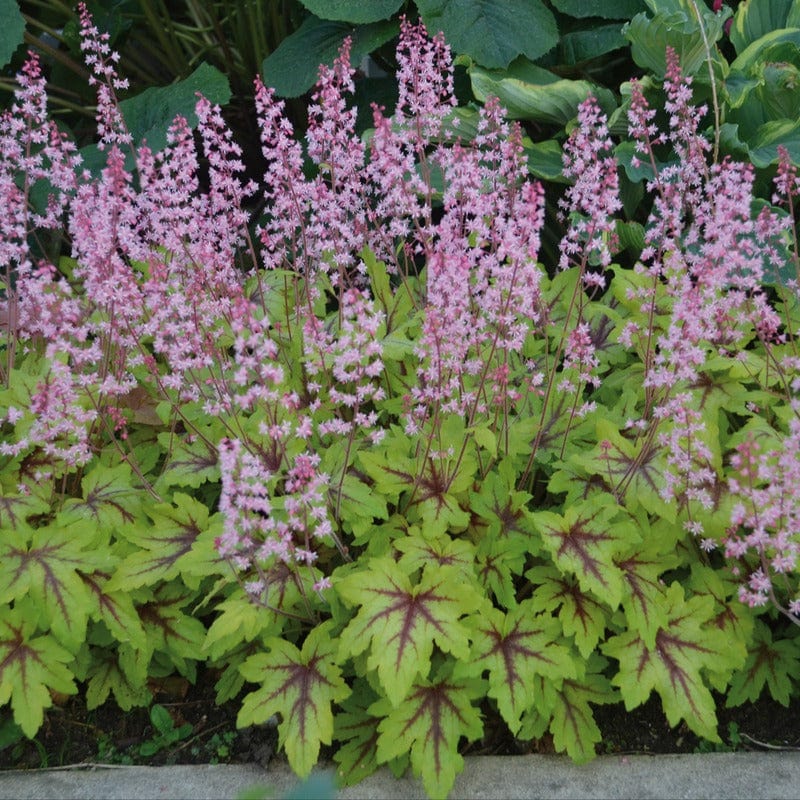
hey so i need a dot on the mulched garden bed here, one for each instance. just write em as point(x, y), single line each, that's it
point(72, 735)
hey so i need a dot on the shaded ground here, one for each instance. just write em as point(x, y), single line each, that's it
point(73, 735)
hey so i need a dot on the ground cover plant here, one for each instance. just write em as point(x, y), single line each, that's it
point(365, 455)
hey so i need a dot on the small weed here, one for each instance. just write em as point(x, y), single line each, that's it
point(166, 734)
point(731, 746)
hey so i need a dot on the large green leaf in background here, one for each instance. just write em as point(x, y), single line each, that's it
point(757, 18)
point(150, 113)
point(353, 10)
point(11, 30)
point(530, 92)
point(605, 9)
point(674, 24)
point(492, 33)
point(293, 68)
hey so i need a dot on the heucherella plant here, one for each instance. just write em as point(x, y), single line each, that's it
point(363, 451)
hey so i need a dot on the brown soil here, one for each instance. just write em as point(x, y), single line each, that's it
point(72, 735)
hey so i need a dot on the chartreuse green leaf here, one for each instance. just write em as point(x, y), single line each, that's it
point(581, 615)
point(734, 619)
point(358, 730)
point(514, 647)
point(116, 610)
point(494, 34)
point(585, 540)
point(190, 463)
point(573, 726)
point(46, 564)
point(109, 502)
point(644, 597)
point(30, 666)
point(633, 468)
point(300, 685)
point(169, 630)
point(398, 622)
point(772, 664)
point(16, 508)
point(689, 646)
point(429, 724)
point(419, 552)
point(180, 541)
point(111, 673)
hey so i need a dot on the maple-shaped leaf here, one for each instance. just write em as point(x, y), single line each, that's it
point(46, 564)
point(31, 667)
point(399, 623)
point(429, 724)
point(115, 609)
point(581, 615)
point(515, 647)
point(497, 561)
point(179, 542)
point(109, 502)
point(168, 629)
point(191, 463)
point(16, 508)
point(687, 647)
point(732, 618)
point(239, 619)
point(300, 685)
point(358, 730)
point(585, 541)
point(643, 597)
point(106, 675)
point(443, 551)
point(573, 726)
point(501, 508)
point(359, 505)
point(632, 467)
point(770, 663)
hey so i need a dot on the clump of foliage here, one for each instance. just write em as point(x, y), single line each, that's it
point(366, 453)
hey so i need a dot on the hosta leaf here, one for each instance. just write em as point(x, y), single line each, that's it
point(515, 647)
point(774, 664)
point(399, 623)
point(674, 668)
point(756, 18)
point(581, 615)
point(300, 685)
point(494, 34)
point(30, 667)
point(180, 541)
point(585, 540)
point(429, 725)
point(530, 92)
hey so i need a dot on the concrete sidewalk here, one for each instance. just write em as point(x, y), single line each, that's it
point(723, 775)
